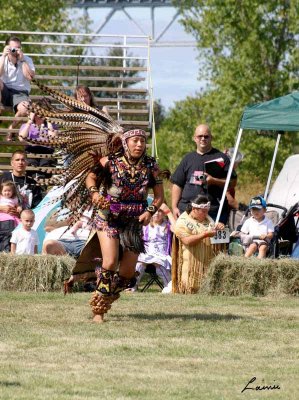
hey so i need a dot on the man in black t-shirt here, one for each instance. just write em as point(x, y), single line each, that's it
point(27, 187)
point(28, 192)
point(191, 177)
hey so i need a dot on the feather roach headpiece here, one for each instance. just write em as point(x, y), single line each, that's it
point(84, 135)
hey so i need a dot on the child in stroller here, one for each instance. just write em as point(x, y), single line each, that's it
point(284, 236)
point(258, 230)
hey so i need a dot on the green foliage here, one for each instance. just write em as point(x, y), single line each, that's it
point(34, 15)
point(174, 138)
point(249, 53)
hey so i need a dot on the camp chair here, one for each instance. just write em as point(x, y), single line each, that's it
point(153, 278)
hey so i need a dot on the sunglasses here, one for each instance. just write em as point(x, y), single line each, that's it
point(203, 137)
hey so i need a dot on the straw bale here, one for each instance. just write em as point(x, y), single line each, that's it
point(235, 276)
point(34, 273)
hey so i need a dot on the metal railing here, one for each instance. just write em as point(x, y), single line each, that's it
point(116, 68)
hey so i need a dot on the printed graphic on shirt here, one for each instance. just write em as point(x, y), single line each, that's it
point(197, 178)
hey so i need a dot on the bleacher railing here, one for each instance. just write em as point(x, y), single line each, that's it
point(116, 68)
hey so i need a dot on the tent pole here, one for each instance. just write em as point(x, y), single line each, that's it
point(272, 166)
point(230, 170)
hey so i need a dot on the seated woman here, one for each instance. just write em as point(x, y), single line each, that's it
point(84, 94)
point(193, 251)
point(35, 128)
point(157, 241)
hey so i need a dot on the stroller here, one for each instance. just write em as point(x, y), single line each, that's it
point(285, 231)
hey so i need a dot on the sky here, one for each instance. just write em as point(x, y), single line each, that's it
point(174, 69)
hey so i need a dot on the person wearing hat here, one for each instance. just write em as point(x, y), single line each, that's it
point(122, 210)
point(257, 231)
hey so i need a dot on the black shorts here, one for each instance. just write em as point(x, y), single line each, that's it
point(12, 97)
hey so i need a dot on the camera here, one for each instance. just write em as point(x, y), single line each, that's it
point(13, 50)
point(200, 177)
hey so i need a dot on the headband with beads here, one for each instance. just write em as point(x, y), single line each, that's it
point(132, 133)
point(205, 206)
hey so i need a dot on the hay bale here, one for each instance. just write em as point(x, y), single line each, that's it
point(235, 276)
point(34, 273)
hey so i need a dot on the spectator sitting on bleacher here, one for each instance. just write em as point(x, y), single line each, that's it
point(35, 128)
point(16, 72)
point(83, 93)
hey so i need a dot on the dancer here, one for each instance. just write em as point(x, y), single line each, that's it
point(131, 173)
point(110, 173)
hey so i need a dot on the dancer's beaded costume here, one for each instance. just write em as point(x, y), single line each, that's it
point(86, 135)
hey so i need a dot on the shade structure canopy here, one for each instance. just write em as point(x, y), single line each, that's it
point(280, 114)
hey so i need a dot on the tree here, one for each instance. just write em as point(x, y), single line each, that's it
point(249, 53)
point(34, 15)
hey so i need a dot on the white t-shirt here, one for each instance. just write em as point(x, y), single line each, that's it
point(13, 76)
point(25, 241)
point(254, 228)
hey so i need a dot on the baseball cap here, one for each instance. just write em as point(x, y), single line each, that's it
point(257, 202)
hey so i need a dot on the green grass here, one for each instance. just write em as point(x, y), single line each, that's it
point(153, 346)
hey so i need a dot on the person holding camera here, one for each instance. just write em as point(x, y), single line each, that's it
point(201, 172)
point(16, 73)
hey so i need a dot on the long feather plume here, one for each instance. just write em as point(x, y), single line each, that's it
point(84, 135)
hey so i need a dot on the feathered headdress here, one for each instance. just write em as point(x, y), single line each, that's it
point(85, 134)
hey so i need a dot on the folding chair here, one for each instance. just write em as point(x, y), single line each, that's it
point(154, 278)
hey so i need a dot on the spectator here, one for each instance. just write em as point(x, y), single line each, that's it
point(24, 239)
point(8, 202)
point(193, 252)
point(16, 73)
point(62, 240)
point(191, 178)
point(28, 191)
point(257, 231)
point(35, 128)
point(157, 239)
point(83, 93)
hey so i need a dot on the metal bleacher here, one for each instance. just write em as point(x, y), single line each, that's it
point(116, 68)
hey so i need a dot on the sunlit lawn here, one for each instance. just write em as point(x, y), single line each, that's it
point(153, 346)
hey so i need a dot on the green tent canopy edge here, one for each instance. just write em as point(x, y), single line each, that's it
point(280, 114)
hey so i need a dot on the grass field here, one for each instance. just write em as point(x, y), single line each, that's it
point(153, 346)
